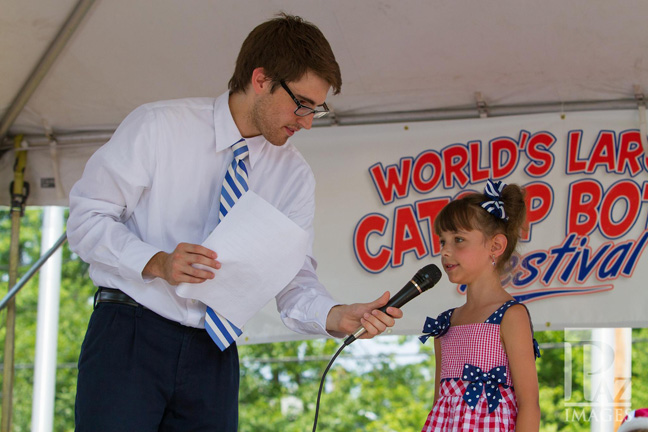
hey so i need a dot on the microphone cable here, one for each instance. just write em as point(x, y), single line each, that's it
point(319, 393)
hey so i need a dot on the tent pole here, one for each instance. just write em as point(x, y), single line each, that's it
point(49, 289)
point(41, 141)
point(622, 374)
point(43, 65)
point(19, 192)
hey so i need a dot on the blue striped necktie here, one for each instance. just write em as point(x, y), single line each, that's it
point(221, 330)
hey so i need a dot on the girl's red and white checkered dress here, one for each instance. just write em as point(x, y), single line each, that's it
point(478, 345)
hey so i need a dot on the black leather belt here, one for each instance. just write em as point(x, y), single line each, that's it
point(111, 295)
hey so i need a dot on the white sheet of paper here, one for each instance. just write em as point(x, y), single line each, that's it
point(260, 249)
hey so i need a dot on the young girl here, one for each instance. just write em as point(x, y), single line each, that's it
point(486, 378)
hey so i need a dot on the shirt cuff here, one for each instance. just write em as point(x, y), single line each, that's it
point(322, 309)
point(313, 320)
point(134, 259)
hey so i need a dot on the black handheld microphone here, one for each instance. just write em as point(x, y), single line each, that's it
point(423, 280)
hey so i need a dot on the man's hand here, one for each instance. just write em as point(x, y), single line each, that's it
point(177, 266)
point(347, 319)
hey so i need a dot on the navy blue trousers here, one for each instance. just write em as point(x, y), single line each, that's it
point(143, 373)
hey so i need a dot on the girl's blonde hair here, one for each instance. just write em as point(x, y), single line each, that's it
point(467, 214)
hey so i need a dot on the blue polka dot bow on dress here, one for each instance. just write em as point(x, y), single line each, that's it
point(494, 205)
point(435, 326)
point(479, 379)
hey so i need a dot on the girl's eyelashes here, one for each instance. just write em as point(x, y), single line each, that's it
point(455, 239)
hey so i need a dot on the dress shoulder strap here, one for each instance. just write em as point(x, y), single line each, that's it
point(496, 318)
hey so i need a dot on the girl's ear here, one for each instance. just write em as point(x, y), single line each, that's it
point(498, 244)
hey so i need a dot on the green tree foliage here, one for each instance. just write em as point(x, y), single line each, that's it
point(75, 308)
point(280, 381)
point(640, 368)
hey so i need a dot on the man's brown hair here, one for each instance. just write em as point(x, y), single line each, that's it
point(286, 47)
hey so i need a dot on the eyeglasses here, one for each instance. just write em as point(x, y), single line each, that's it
point(303, 110)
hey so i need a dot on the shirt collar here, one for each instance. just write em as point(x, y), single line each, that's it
point(227, 133)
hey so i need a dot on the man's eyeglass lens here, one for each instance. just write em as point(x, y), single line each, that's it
point(303, 110)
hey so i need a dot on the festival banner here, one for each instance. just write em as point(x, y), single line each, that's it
point(580, 264)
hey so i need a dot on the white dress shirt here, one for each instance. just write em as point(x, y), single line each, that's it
point(157, 183)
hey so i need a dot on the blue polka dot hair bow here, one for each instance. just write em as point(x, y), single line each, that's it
point(480, 381)
point(436, 326)
point(494, 205)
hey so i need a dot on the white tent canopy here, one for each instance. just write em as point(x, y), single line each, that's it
point(395, 56)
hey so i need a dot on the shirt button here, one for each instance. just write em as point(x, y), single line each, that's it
point(193, 301)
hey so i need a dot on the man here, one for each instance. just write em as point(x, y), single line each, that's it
point(145, 203)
